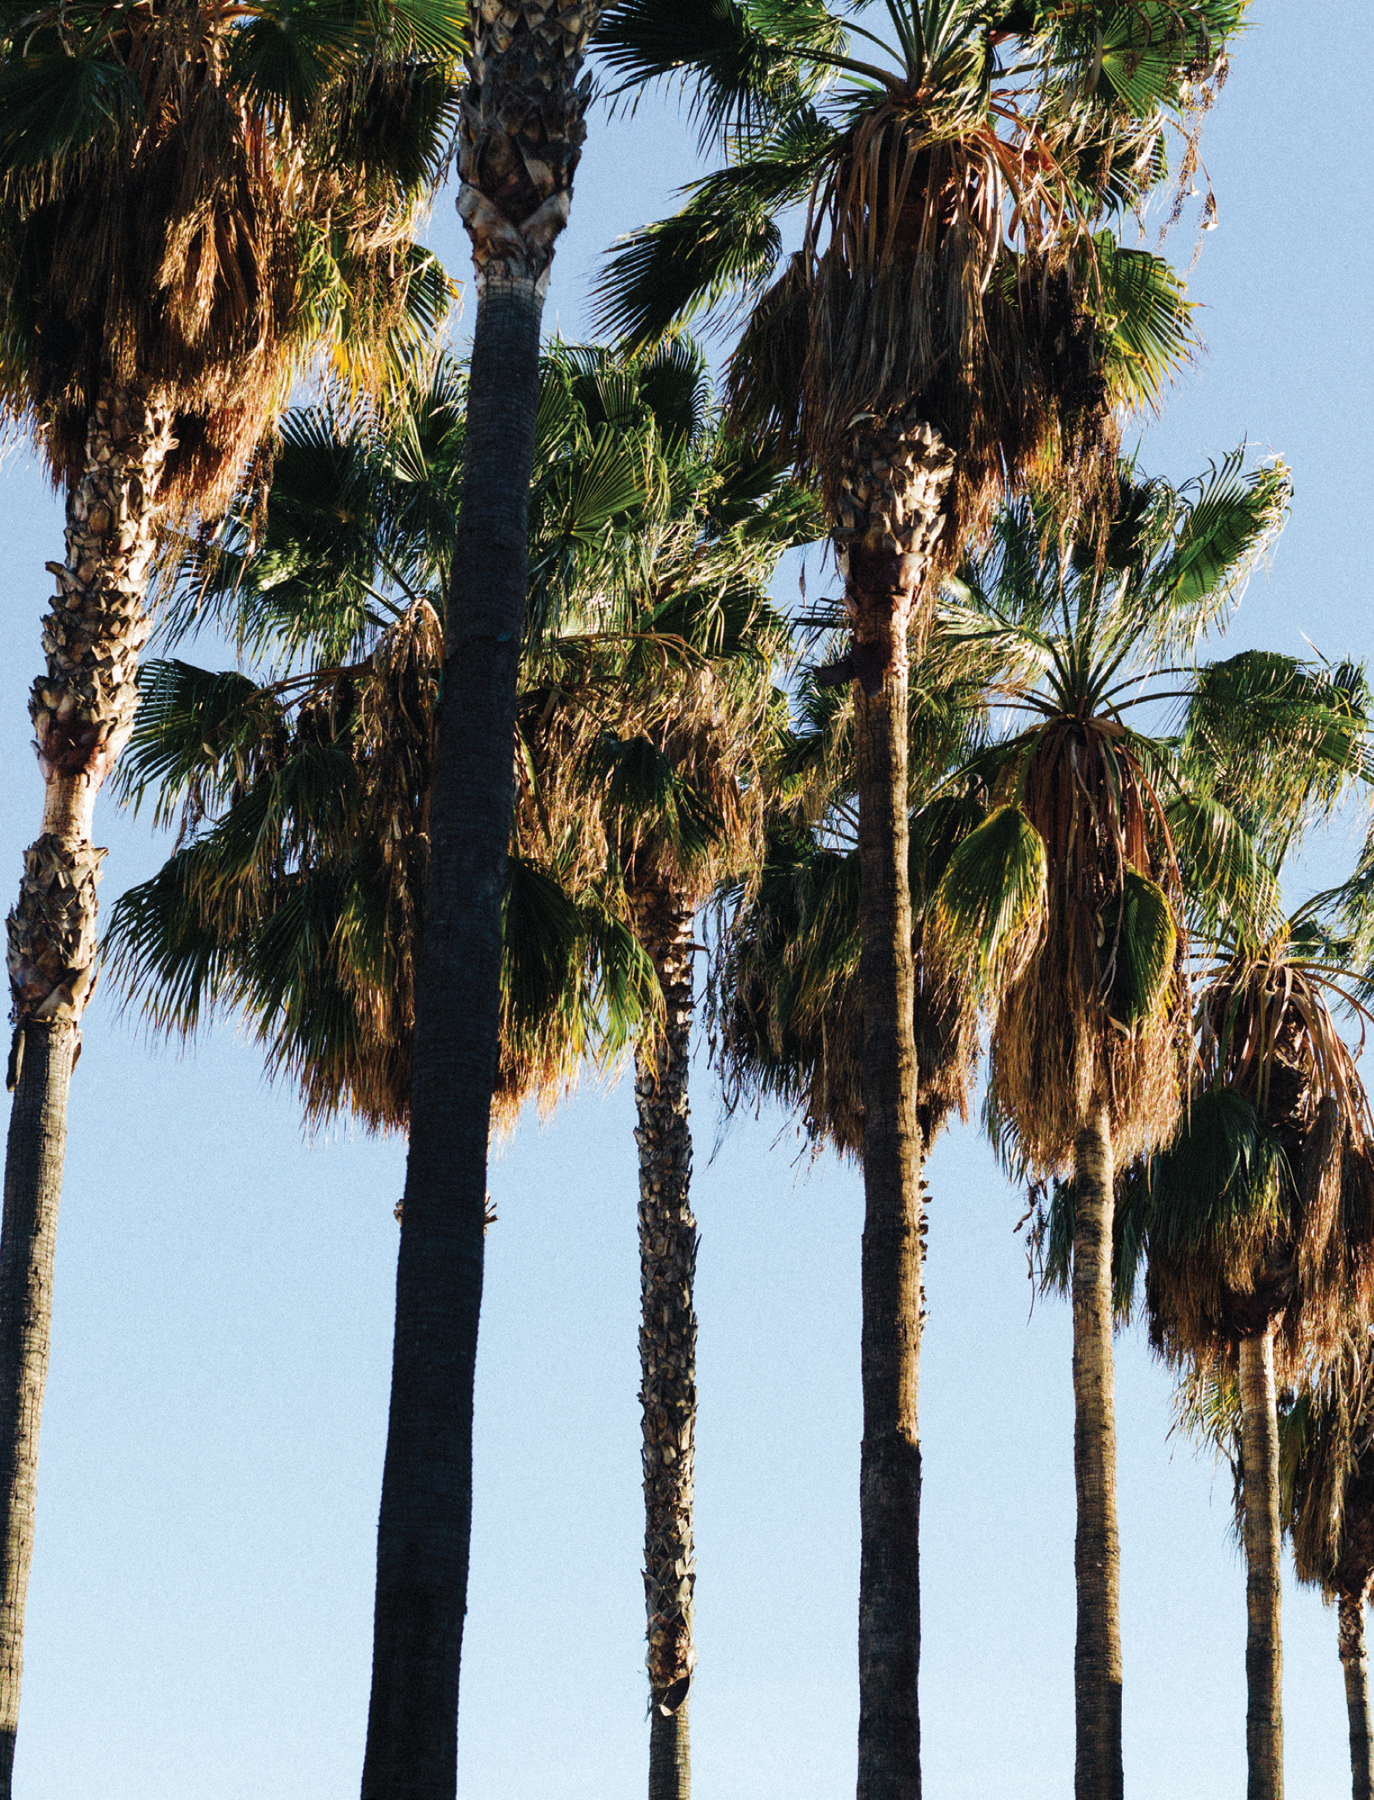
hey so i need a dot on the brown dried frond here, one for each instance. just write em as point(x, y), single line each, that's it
point(924, 290)
point(1302, 1261)
point(1056, 1049)
point(177, 263)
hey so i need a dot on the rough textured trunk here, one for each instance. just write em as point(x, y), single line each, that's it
point(1259, 1455)
point(667, 1347)
point(82, 711)
point(1355, 1668)
point(890, 522)
point(1096, 1555)
point(519, 143)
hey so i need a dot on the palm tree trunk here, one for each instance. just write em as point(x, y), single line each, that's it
point(521, 128)
point(891, 521)
point(82, 711)
point(1096, 1557)
point(1259, 1453)
point(667, 1347)
point(1355, 1668)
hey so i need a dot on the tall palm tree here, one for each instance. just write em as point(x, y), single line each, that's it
point(1326, 1461)
point(1258, 1213)
point(1066, 902)
point(519, 143)
point(1261, 1241)
point(647, 708)
point(194, 205)
point(944, 332)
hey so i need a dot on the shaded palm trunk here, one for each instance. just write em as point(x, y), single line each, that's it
point(667, 1348)
point(82, 712)
point(891, 518)
point(1096, 1557)
point(1355, 1668)
point(521, 128)
point(1259, 1454)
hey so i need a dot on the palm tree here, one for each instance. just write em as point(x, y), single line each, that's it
point(944, 332)
point(1256, 1218)
point(1261, 1240)
point(647, 708)
point(1327, 1495)
point(193, 207)
point(519, 144)
point(1067, 903)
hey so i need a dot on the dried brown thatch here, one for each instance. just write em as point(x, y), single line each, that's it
point(1056, 1047)
point(1297, 1253)
point(196, 257)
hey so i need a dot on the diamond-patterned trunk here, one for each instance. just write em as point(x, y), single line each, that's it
point(83, 711)
point(667, 1344)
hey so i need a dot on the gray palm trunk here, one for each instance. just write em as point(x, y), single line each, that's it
point(82, 711)
point(1096, 1556)
point(1259, 1455)
point(890, 522)
point(1355, 1669)
point(519, 145)
point(667, 1347)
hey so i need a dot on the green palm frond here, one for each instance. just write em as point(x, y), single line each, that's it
point(991, 898)
point(724, 242)
point(58, 109)
point(1146, 318)
point(744, 62)
point(1140, 941)
point(1226, 877)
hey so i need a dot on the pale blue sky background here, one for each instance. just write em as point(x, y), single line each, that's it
point(199, 1618)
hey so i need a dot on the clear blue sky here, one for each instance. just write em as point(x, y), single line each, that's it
point(200, 1612)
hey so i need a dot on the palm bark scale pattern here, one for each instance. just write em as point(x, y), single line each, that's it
point(521, 132)
point(82, 710)
point(667, 1346)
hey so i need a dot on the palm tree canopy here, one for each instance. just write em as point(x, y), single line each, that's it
point(956, 168)
point(195, 200)
point(1068, 899)
point(298, 897)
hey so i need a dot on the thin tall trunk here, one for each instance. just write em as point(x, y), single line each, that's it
point(667, 1348)
point(1096, 1556)
point(1355, 1668)
point(520, 133)
point(1259, 1454)
point(891, 520)
point(82, 711)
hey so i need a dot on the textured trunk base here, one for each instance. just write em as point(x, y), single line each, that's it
point(670, 1755)
point(667, 1338)
point(890, 1455)
point(1259, 1444)
point(1355, 1668)
point(33, 1187)
point(1097, 1650)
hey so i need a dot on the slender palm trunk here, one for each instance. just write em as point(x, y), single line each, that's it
point(1096, 1557)
point(667, 1348)
point(1259, 1452)
point(82, 711)
point(1355, 1668)
point(521, 128)
point(891, 518)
